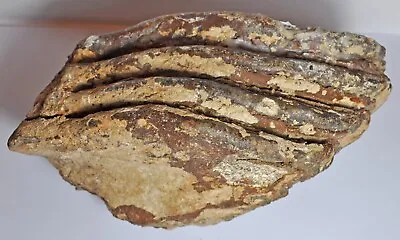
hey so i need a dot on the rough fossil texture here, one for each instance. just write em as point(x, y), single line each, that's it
point(196, 118)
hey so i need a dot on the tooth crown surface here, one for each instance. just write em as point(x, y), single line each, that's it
point(196, 118)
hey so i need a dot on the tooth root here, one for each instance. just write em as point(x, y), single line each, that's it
point(133, 151)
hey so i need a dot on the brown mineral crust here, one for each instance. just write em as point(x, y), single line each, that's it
point(248, 31)
point(134, 214)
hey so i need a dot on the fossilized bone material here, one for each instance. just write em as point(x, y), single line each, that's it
point(196, 118)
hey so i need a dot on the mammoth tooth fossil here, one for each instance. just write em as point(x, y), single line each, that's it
point(196, 118)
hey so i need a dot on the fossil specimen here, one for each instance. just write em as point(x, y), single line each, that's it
point(196, 118)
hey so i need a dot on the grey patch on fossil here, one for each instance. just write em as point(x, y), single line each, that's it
point(237, 171)
point(91, 40)
point(287, 150)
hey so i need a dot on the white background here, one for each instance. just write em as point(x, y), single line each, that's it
point(352, 15)
point(358, 197)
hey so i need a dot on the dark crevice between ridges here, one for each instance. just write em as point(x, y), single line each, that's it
point(223, 81)
point(91, 83)
point(252, 89)
point(119, 105)
point(43, 117)
point(126, 50)
point(185, 74)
